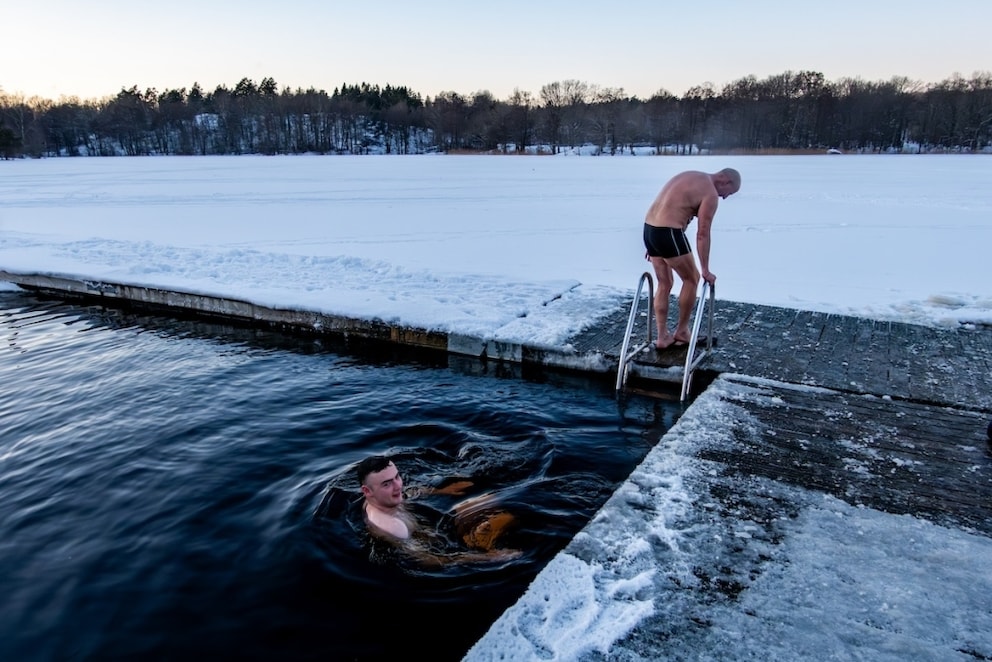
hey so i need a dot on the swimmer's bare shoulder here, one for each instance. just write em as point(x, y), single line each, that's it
point(399, 526)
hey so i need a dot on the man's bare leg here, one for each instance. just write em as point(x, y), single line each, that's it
point(481, 524)
point(685, 267)
point(663, 274)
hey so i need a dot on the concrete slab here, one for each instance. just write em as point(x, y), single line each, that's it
point(778, 521)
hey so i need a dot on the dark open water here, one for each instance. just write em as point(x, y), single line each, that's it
point(178, 490)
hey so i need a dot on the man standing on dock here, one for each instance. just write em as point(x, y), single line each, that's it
point(686, 195)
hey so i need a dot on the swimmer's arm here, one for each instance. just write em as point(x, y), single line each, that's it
point(456, 488)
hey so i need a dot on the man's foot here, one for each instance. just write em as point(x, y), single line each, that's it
point(700, 340)
point(664, 343)
point(681, 335)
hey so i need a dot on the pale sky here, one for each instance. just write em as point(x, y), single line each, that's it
point(94, 49)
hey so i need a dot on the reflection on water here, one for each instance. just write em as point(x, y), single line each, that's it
point(176, 489)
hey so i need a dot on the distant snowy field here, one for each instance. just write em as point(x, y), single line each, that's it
point(479, 244)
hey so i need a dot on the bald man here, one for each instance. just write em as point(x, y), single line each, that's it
point(687, 195)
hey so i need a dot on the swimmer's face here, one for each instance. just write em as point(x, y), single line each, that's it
point(384, 488)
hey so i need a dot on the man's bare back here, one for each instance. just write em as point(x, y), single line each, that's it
point(684, 196)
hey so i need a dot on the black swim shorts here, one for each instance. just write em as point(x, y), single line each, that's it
point(665, 242)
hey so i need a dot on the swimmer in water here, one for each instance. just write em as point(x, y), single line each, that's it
point(388, 518)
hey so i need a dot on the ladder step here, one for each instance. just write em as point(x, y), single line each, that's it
point(670, 394)
point(655, 372)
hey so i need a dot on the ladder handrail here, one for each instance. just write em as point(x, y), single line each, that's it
point(625, 356)
point(691, 360)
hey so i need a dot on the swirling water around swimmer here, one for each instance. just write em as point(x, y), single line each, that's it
point(178, 489)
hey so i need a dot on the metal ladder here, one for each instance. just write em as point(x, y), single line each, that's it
point(692, 360)
point(626, 354)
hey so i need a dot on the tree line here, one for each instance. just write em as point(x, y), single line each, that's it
point(785, 112)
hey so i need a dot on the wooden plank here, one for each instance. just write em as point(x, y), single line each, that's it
point(898, 457)
point(838, 348)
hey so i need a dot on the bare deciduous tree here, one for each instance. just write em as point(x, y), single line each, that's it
point(788, 111)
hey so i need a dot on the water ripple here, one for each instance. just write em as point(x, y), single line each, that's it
point(174, 488)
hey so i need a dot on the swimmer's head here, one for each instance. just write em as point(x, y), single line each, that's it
point(371, 464)
point(381, 484)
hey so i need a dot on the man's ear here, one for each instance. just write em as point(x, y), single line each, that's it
point(365, 490)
